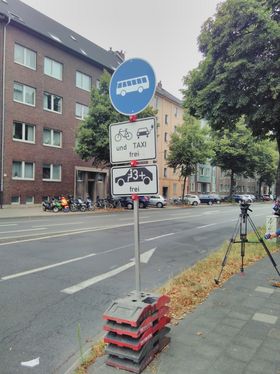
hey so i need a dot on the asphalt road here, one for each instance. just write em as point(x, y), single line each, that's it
point(59, 273)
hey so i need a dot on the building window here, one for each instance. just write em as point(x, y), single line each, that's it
point(23, 170)
point(81, 111)
point(23, 132)
point(52, 103)
point(53, 68)
point(165, 154)
point(165, 136)
point(24, 94)
point(15, 200)
point(98, 84)
point(176, 111)
point(165, 172)
point(166, 119)
point(29, 200)
point(52, 172)
point(83, 81)
point(52, 137)
point(25, 56)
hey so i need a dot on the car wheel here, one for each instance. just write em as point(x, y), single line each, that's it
point(147, 180)
point(159, 205)
point(195, 203)
point(120, 182)
point(129, 206)
point(218, 202)
point(210, 202)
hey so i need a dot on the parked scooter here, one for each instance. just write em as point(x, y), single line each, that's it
point(51, 205)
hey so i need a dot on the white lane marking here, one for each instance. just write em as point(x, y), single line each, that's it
point(62, 224)
point(210, 224)
point(210, 212)
point(9, 224)
point(17, 275)
point(89, 282)
point(159, 237)
point(24, 230)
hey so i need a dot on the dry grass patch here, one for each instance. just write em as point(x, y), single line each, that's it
point(191, 287)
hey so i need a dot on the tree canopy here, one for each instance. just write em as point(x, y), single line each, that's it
point(239, 75)
point(93, 133)
point(189, 145)
point(236, 151)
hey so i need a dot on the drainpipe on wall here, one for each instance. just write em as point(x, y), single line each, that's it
point(3, 18)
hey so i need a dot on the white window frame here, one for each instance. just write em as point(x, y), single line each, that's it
point(53, 97)
point(51, 144)
point(82, 109)
point(15, 202)
point(24, 94)
point(23, 163)
point(54, 67)
point(51, 179)
point(25, 60)
point(29, 202)
point(24, 129)
point(81, 83)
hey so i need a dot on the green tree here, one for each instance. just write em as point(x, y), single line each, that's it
point(189, 146)
point(239, 74)
point(266, 164)
point(236, 152)
point(93, 133)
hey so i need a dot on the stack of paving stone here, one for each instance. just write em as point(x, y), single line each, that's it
point(136, 330)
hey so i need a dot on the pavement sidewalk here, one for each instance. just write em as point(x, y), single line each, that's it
point(235, 331)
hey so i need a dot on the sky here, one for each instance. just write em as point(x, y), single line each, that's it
point(162, 32)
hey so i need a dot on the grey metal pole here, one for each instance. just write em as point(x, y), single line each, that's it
point(137, 245)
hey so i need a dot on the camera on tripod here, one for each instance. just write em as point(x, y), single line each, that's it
point(245, 206)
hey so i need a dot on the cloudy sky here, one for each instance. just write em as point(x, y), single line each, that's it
point(162, 32)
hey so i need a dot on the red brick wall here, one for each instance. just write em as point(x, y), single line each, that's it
point(65, 122)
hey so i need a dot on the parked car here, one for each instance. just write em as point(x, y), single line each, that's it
point(210, 199)
point(128, 203)
point(192, 199)
point(238, 198)
point(267, 197)
point(158, 201)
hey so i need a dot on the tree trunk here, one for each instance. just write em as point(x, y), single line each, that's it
point(184, 187)
point(278, 170)
point(231, 182)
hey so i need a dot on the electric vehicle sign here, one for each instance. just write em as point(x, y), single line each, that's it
point(139, 180)
point(133, 140)
point(132, 86)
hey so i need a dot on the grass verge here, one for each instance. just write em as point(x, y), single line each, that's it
point(191, 287)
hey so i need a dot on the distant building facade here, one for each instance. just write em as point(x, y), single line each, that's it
point(169, 117)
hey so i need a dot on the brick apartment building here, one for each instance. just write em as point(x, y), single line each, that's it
point(48, 71)
point(47, 74)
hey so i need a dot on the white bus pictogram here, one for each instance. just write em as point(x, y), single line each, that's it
point(132, 85)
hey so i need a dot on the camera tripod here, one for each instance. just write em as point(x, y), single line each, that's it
point(242, 222)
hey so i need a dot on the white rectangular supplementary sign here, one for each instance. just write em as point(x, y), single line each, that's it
point(133, 140)
point(139, 180)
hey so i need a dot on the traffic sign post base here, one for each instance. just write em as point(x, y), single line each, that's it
point(136, 330)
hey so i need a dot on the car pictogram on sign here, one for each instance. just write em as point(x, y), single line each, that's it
point(135, 175)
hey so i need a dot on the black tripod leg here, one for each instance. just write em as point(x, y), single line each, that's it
point(263, 244)
point(232, 240)
point(242, 256)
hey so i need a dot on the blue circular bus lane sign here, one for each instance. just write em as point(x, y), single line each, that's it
point(132, 86)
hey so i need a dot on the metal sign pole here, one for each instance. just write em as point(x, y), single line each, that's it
point(137, 245)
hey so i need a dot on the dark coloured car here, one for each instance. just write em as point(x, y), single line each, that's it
point(210, 199)
point(127, 202)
